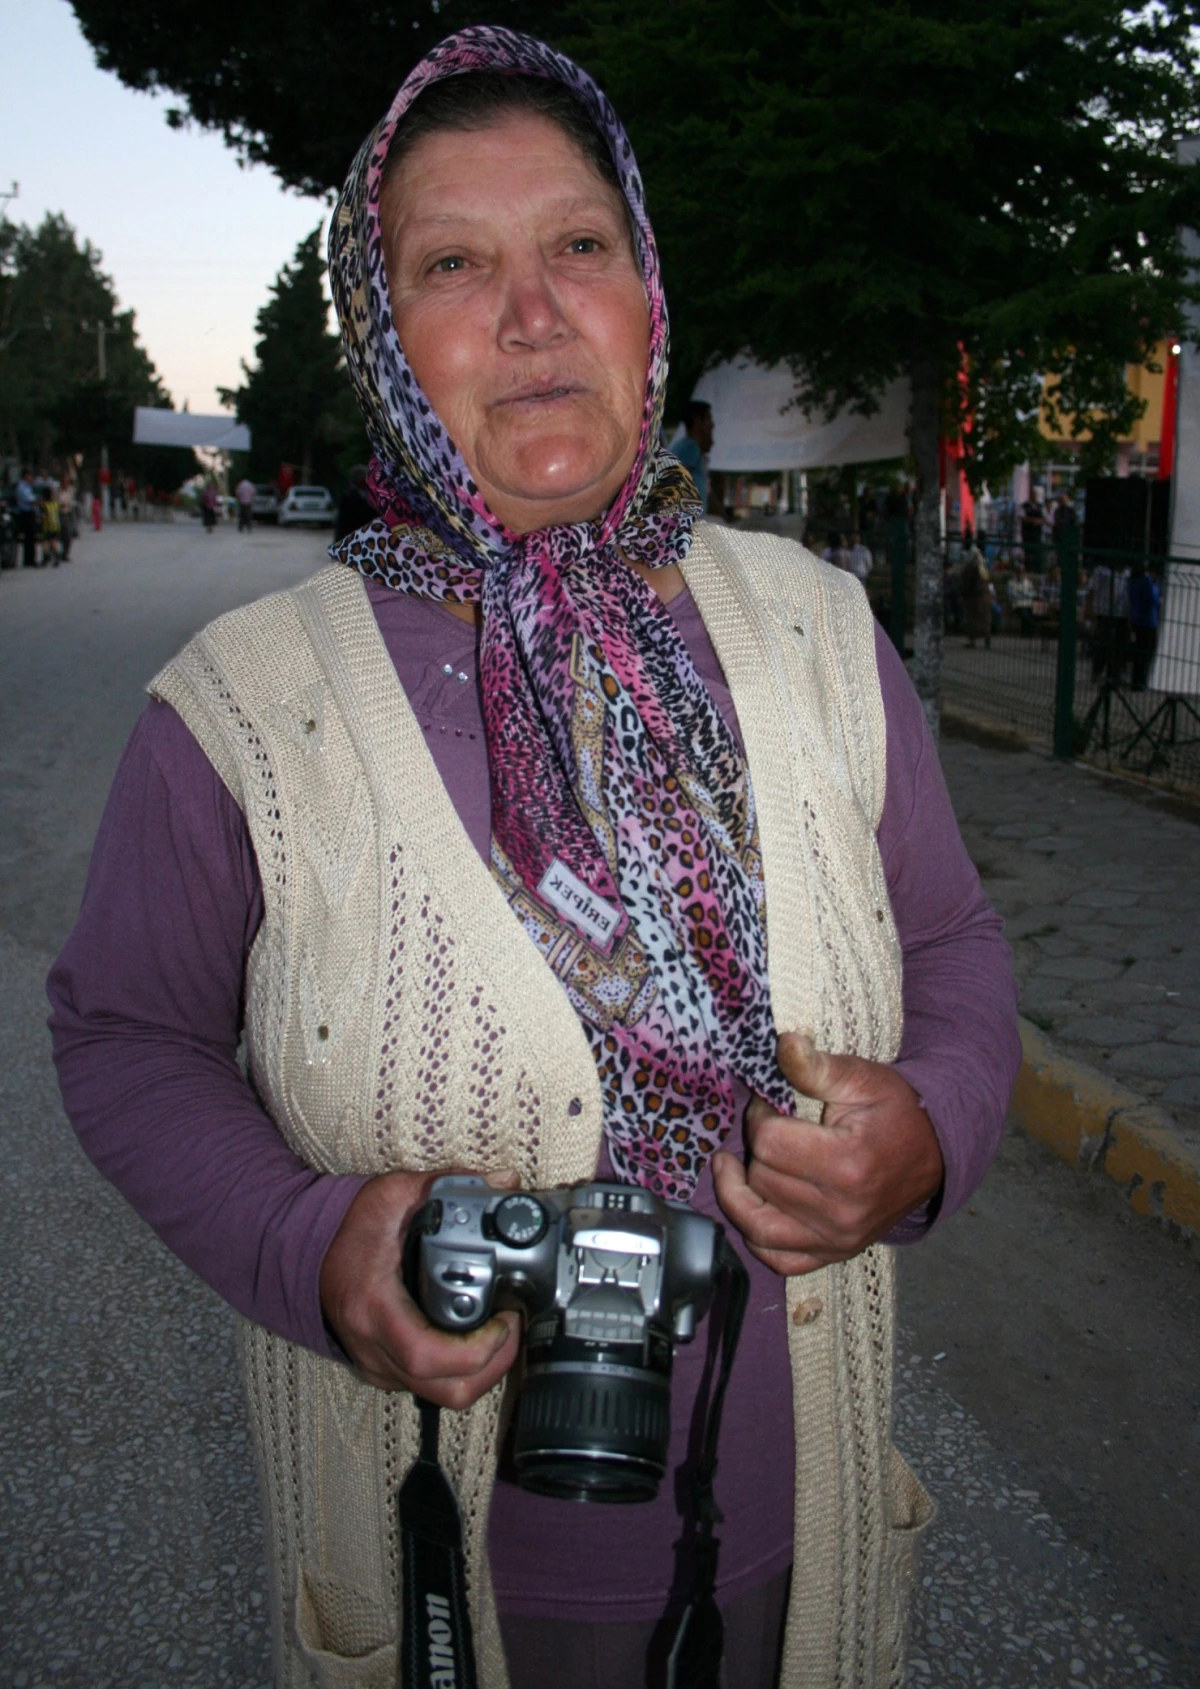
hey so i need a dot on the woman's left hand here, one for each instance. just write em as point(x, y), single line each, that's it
point(815, 1193)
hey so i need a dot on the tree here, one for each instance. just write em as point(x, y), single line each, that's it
point(976, 196)
point(293, 84)
point(53, 403)
point(297, 399)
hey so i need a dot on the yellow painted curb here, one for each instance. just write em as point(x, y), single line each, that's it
point(1096, 1125)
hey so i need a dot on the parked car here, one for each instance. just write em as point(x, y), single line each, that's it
point(308, 506)
point(266, 503)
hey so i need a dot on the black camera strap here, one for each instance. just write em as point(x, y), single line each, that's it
point(436, 1647)
point(695, 1659)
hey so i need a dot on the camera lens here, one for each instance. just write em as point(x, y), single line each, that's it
point(590, 1427)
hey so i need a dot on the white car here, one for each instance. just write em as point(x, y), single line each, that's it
point(307, 506)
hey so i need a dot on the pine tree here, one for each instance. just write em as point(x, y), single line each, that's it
point(296, 399)
point(52, 401)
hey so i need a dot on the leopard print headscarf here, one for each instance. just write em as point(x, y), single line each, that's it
point(623, 823)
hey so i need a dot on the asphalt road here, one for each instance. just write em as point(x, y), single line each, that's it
point(1049, 1378)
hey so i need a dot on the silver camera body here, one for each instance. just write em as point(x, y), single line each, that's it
point(609, 1278)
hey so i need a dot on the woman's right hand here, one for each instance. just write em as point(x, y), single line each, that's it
point(376, 1321)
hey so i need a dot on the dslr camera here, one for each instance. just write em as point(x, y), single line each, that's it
point(609, 1278)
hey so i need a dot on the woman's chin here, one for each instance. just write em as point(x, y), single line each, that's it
point(537, 489)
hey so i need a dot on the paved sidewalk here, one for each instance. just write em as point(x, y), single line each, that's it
point(1099, 884)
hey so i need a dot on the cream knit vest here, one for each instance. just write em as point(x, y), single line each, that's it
point(399, 1017)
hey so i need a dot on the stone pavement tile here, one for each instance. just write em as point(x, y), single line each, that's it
point(1056, 945)
point(1106, 1030)
point(1078, 968)
point(1038, 918)
point(1021, 830)
point(1174, 973)
point(1160, 1060)
point(1093, 881)
point(1132, 915)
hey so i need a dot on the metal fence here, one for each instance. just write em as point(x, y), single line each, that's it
point(1090, 653)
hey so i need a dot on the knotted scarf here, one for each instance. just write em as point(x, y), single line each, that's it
point(623, 823)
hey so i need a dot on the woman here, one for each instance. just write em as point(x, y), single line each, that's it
point(323, 828)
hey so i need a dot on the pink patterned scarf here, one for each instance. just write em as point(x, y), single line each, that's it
point(623, 823)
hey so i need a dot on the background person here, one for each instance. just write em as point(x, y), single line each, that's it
point(355, 509)
point(861, 561)
point(975, 590)
point(50, 523)
point(245, 493)
point(26, 504)
point(695, 443)
point(209, 505)
point(1142, 595)
point(1033, 525)
point(1106, 615)
point(536, 656)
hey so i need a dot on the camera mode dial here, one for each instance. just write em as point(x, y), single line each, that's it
point(520, 1221)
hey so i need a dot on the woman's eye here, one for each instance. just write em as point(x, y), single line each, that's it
point(584, 244)
point(447, 266)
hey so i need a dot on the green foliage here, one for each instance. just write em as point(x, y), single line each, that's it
point(297, 399)
point(862, 187)
point(294, 84)
point(854, 185)
point(52, 402)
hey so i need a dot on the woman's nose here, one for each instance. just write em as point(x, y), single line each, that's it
point(532, 315)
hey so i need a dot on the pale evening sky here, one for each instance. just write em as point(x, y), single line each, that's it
point(190, 240)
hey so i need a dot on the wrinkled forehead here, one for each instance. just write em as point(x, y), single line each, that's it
point(467, 58)
point(514, 168)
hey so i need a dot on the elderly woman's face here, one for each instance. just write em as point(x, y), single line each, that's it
point(520, 306)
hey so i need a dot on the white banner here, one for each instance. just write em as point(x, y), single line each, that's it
point(1185, 476)
point(184, 428)
point(758, 426)
point(1176, 665)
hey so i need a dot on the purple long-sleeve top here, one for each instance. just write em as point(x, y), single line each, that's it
point(147, 1004)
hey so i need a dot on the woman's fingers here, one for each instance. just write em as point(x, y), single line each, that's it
point(450, 1370)
point(769, 1232)
point(815, 1193)
point(381, 1328)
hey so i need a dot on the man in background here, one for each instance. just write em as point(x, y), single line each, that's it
point(1106, 613)
point(1142, 593)
point(1033, 522)
point(356, 509)
point(27, 518)
point(244, 493)
point(695, 443)
point(860, 558)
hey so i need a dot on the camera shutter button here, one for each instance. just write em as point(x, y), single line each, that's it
point(520, 1221)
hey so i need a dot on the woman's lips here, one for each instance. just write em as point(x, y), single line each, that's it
point(540, 393)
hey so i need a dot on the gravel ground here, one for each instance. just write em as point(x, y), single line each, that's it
point(130, 1547)
point(1091, 875)
point(1006, 1599)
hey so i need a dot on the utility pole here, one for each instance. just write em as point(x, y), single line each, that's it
point(102, 330)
